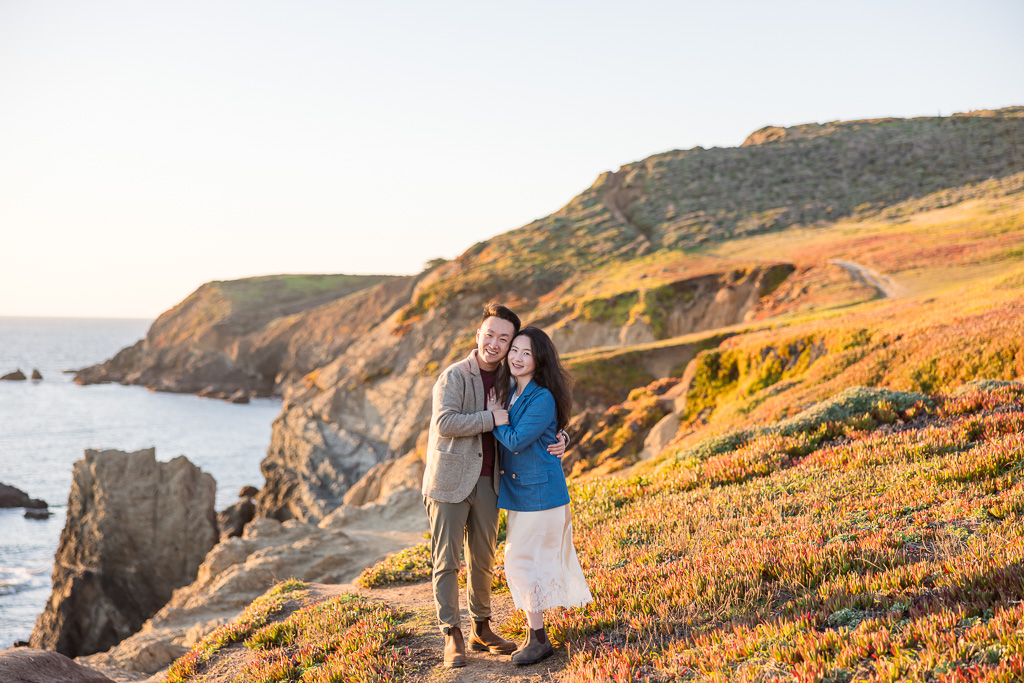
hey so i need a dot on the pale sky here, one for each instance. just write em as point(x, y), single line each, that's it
point(147, 147)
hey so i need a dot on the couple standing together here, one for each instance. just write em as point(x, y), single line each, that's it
point(495, 442)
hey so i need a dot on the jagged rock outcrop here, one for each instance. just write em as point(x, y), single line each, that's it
point(136, 530)
point(28, 665)
point(13, 497)
point(17, 376)
point(36, 374)
point(240, 569)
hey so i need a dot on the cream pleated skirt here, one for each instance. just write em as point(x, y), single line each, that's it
point(540, 561)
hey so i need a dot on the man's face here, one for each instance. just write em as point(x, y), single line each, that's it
point(492, 340)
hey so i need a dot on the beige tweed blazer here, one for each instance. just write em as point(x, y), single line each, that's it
point(459, 419)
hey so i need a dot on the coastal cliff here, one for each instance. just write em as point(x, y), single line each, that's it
point(737, 357)
point(639, 258)
point(236, 335)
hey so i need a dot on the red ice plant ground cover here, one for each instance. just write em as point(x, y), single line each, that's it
point(882, 554)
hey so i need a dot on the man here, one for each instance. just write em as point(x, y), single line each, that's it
point(460, 486)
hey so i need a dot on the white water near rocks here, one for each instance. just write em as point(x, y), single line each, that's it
point(45, 426)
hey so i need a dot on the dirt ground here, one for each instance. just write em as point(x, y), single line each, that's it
point(426, 643)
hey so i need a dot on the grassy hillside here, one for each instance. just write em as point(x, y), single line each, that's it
point(844, 497)
point(811, 176)
point(875, 537)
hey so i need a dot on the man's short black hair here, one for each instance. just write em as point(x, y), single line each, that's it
point(493, 309)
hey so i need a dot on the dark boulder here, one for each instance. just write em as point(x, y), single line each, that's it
point(232, 520)
point(36, 374)
point(16, 375)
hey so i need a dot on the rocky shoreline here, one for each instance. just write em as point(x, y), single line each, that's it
point(146, 567)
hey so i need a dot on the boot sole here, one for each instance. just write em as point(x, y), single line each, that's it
point(534, 661)
point(455, 665)
point(479, 647)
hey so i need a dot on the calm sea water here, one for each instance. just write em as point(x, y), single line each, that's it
point(45, 426)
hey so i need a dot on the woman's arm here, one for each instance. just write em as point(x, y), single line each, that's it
point(533, 422)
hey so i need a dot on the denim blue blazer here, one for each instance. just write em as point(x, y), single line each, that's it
point(531, 478)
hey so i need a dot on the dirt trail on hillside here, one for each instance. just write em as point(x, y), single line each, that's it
point(618, 199)
point(872, 278)
point(426, 642)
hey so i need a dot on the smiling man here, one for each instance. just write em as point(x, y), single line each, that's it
point(460, 486)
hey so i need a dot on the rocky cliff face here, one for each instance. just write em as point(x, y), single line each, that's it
point(136, 530)
point(616, 266)
point(238, 570)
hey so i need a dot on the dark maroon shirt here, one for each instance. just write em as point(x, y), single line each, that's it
point(487, 469)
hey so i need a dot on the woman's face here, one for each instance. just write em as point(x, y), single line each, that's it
point(520, 357)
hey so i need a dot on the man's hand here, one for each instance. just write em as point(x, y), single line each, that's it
point(557, 449)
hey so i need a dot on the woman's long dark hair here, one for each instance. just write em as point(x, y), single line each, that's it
point(548, 373)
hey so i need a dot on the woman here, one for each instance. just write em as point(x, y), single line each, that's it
point(540, 561)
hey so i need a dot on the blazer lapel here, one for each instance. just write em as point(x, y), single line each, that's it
point(521, 402)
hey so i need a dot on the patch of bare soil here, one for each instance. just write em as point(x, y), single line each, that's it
point(426, 643)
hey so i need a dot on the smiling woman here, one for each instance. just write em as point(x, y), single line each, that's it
point(540, 560)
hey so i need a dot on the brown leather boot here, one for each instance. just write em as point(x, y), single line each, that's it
point(454, 647)
point(536, 648)
point(483, 639)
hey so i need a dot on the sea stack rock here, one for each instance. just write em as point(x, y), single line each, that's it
point(136, 530)
point(12, 497)
point(36, 374)
point(16, 375)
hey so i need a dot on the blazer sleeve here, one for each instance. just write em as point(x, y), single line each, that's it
point(449, 391)
point(531, 424)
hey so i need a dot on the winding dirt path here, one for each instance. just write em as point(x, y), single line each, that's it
point(872, 278)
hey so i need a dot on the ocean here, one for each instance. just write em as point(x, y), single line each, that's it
point(46, 425)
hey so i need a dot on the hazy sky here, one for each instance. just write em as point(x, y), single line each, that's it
point(148, 147)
